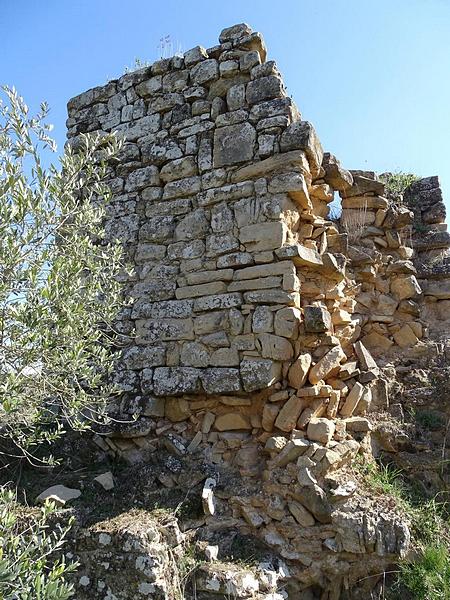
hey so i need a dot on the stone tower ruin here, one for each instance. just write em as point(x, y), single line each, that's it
point(258, 326)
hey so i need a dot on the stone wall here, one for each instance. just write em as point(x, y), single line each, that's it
point(254, 317)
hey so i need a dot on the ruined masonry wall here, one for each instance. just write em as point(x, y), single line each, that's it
point(249, 305)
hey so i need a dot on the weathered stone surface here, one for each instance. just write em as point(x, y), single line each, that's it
point(301, 515)
point(263, 236)
point(221, 381)
point(287, 321)
point(275, 347)
point(404, 288)
point(326, 365)
point(405, 336)
point(320, 430)
point(290, 452)
point(232, 421)
point(289, 413)
point(340, 179)
point(317, 319)
point(259, 373)
point(301, 135)
point(173, 381)
point(298, 371)
point(234, 144)
point(315, 500)
point(231, 34)
point(301, 256)
point(352, 400)
point(152, 330)
point(59, 494)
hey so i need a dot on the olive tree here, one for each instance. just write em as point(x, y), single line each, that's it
point(59, 290)
point(59, 294)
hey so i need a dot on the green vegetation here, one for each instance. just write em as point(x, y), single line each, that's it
point(428, 576)
point(396, 183)
point(59, 295)
point(429, 419)
point(28, 569)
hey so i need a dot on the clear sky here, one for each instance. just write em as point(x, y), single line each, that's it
point(373, 76)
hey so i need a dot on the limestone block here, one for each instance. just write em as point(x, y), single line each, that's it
point(210, 322)
point(142, 178)
point(405, 287)
point(295, 161)
point(194, 354)
point(174, 381)
point(326, 365)
point(175, 309)
point(376, 343)
point(204, 289)
point(268, 270)
point(352, 400)
point(159, 151)
point(274, 346)
point(254, 284)
point(259, 373)
point(217, 244)
point(59, 494)
point(301, 135)
point(298, 371)
point(315, 500)
point(234, 144)
point(164, 102)
point(178, 169)
point(195, 55)
point(136, 358)
point(193, 226)
point(358, 424)
point(270, 412)
point(287, 321)
point(225, 357)
point(182, 187)
point(235, 98)
point(221, 218)
point(235, 32)
point(301, 256)
point(438, 289)
point(264, 88)
point(275, 444)
point(340, 179)
point(365, 202)
point(365, 358)
point(226, 193)
point(231, 422)
point(198, 277)
point(157, 229)
point(317, 319)
point(301, 515)
point(405, 337)
point(219, 301)
point(289, 414)
point(295, 185)
point(153, 407)
point(153, 330)
point(386, 305)
point(218, 339)
point(273, 297)
point(362, 185)
point(320, 430)
point(205, 72)
point(149, 87)
point(220, 380)
point(263, 236)
point(290, 452)
point(262, 319)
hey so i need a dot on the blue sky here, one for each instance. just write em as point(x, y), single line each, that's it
point(373, 76)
